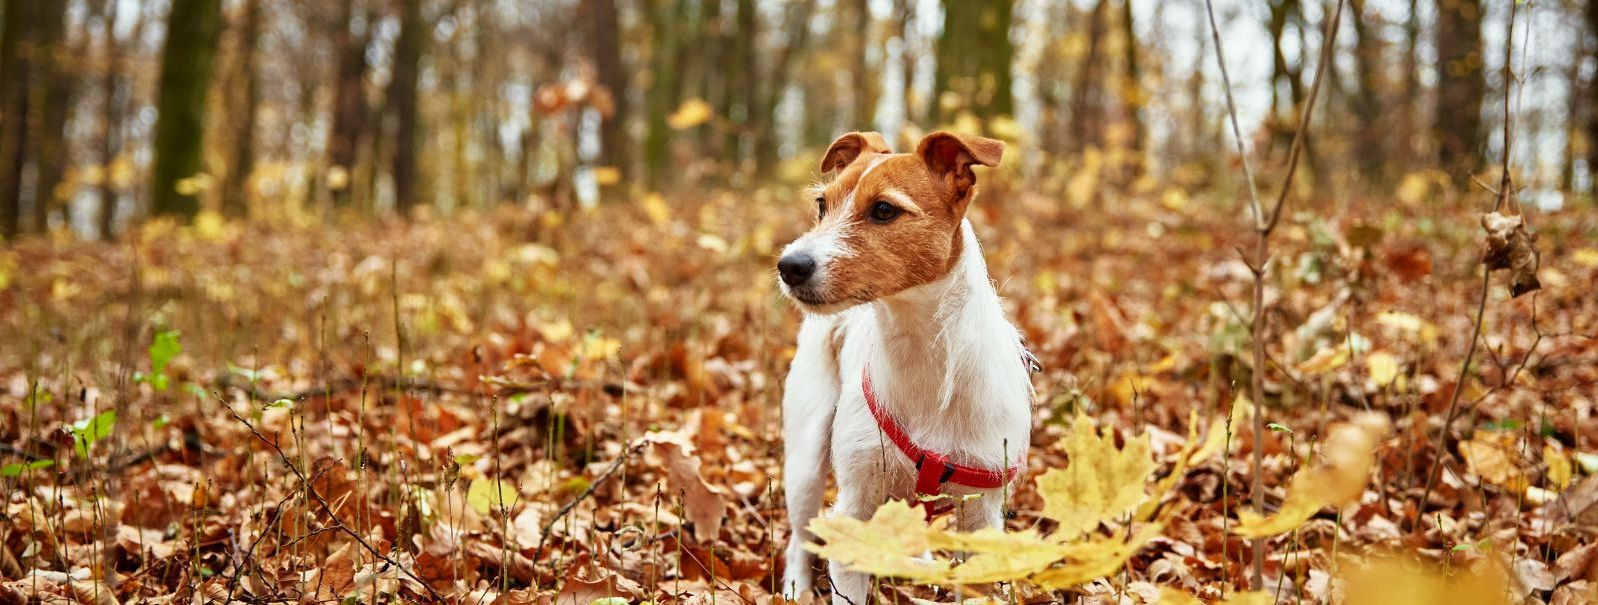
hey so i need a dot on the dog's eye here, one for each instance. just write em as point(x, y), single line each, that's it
point(883, 212)
point(821, 208)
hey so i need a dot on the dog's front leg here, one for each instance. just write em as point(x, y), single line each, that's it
point(855, 499)
point(810, 397)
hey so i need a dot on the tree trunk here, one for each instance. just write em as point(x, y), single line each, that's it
point(664, 18)
point(1461, 85)
point(739, 102)
point(1410, 126)
point(865, 80)
point(402, 102)
point(905, 10)
point(1371, 135)
point(52, 84)
point(1086, 114)
point(1280, 126)
point(111, 83)
point(14, 67)
point(1134, 88)
point(796, 38)
point(604, 44)
point(1592, 97)
point(236, 192)
point(349, 107)
point(192, 28)
point(974, 56)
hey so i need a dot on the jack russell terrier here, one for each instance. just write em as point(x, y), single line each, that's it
point(908, 377)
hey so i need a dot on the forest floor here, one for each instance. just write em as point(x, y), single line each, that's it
point(531, 407)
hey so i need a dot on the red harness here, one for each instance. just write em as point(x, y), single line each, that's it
point(934, 469)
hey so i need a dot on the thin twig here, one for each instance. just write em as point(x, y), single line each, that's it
point(326, 508)
point(1263, 226)
point(1505, 191)
point(549, 526)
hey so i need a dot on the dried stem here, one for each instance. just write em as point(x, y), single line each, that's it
point(1506, 188)
point(326, 508)
point(1263, 226)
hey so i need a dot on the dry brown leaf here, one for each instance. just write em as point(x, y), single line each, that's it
point(704, 504)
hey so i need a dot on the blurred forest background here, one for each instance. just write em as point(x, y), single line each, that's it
point(473, 301)
point(115, 110)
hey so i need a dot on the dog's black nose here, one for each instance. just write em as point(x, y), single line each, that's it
point(796, 268)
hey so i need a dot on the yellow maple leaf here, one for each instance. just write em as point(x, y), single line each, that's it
point(999, 556)
point(1101, 483)
point(1172, 596)
point(1396, 581)
point(1340, 478)
point(889, 544)
point(1193, 452)
point(1089, 561)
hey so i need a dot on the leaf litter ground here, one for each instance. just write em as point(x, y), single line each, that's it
point(504, 407)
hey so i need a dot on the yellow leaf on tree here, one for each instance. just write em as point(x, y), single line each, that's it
point(1101, 483)
point(691, 113)
point(1383, 367)
point(1340, 478)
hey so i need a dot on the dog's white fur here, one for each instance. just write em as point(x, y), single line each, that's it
point(944, 362)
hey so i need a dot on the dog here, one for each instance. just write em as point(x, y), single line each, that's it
point(908, 378)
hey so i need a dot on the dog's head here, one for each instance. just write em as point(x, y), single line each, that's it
point(885, 221)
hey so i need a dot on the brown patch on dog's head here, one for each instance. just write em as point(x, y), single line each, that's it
point(886, 222)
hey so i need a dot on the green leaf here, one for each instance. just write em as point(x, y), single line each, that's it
point(163, 349)
point(281, 403)
point(86, 432)
point(491, 494)
point(17, 468)
point(609, 601)
point(1280, 428)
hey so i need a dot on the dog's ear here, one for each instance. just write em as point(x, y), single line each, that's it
point(950, 157)
point(843, 151)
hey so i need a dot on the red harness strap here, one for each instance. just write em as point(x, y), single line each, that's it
point(934, 469)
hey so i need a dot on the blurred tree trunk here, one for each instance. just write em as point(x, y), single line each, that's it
point(866, 82)
point(1086, 92)
point(604, 44)
point(236, 192)
point(402, 102)
point(1280, 126)
point(1592, 97)
point(905, 10)
point(1410, 114)
point(111, 108)
point(741, 77)
point(974, 56)
point(665, 19)
point(349, 106)
point(52, 79)
point(192, 28)
point(1134, 93)
point(1372, 130)
point(14, 68)
point(795, 39)
point(1461, 85)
